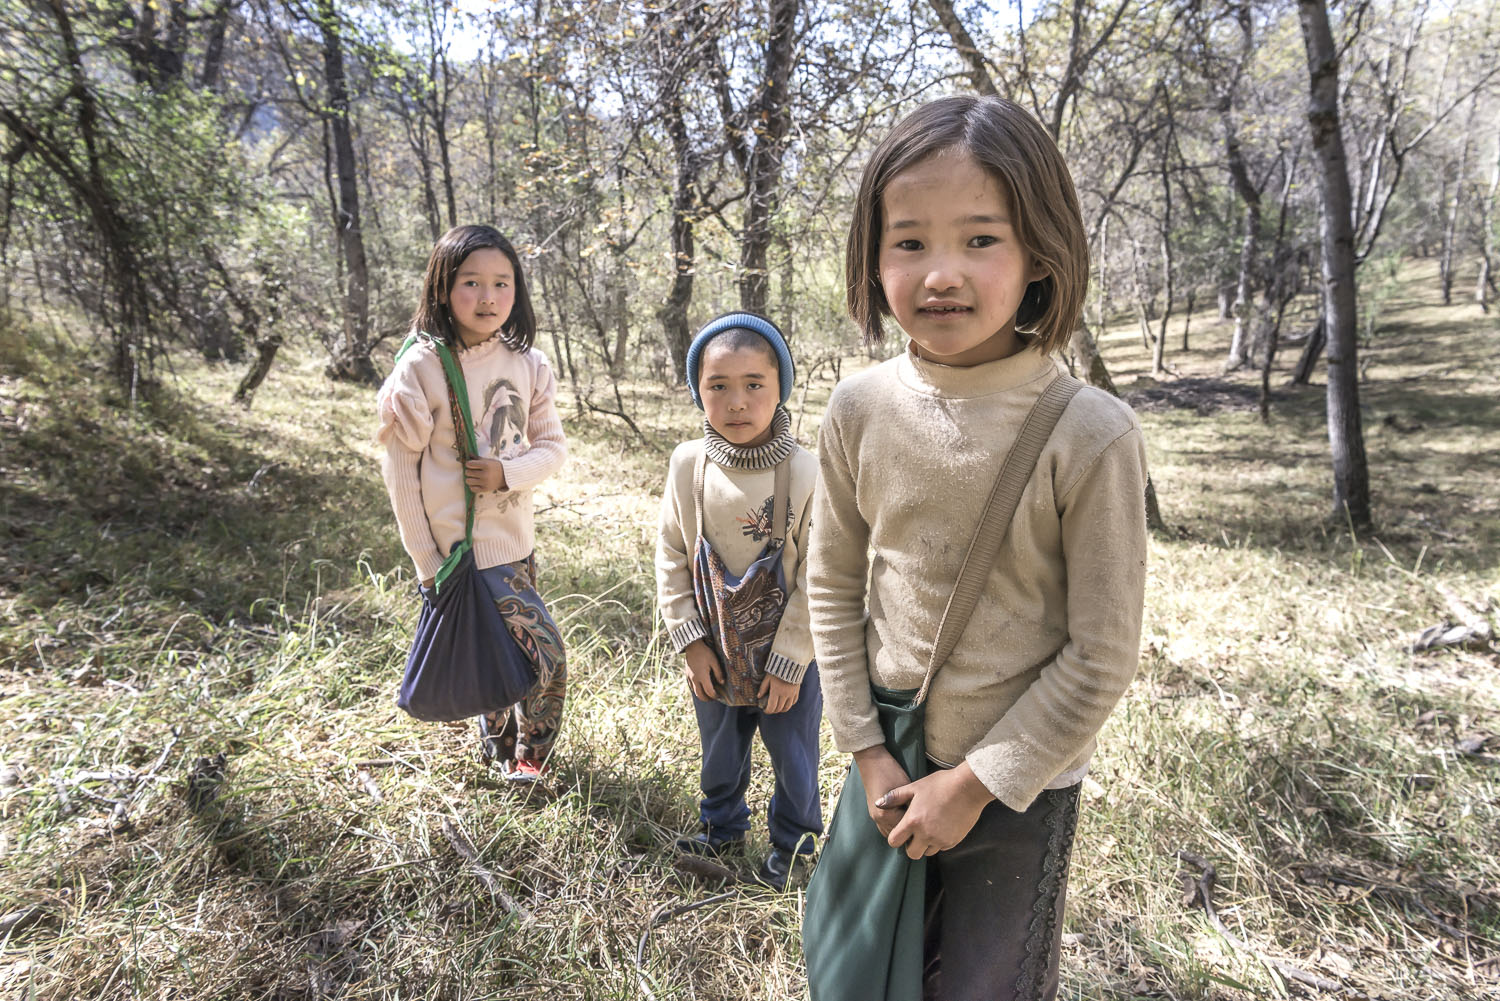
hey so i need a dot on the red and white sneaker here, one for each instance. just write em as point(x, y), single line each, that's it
point(523, 771)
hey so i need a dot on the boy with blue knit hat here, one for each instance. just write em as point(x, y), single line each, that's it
point(731, 581)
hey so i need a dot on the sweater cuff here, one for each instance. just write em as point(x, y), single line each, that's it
point(687, 633)
point(785, 668)
point(428, 564)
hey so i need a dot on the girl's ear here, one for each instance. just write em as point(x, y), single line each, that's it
point(1038, 271)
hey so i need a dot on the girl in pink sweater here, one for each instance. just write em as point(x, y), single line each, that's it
point(475, 300)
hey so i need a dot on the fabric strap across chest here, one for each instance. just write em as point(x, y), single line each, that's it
point(781, 493)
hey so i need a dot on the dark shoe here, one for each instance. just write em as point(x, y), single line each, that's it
point(776, 871)
point(497, 746)
point(704, 845)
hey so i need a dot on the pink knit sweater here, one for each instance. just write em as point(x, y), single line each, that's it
point(515, 420)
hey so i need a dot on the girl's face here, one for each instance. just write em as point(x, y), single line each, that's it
point(484, 290)
point(739, 388)
point(951, 265)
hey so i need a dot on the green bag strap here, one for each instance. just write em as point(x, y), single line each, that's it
point(463, 436)
point(999, 510)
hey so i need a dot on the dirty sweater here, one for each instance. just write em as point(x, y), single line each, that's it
point(737, 498)
point(908, 452)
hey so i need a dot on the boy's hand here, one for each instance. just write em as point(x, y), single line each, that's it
point(484, 475)
point(940, 810)
point(701, 668)
point(778, 696)
point(880, 773)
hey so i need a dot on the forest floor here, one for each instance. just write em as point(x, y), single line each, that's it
point(207, 792)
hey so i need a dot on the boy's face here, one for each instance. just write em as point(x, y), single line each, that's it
point(740, 389)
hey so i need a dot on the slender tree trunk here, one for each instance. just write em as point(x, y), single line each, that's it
point(488, 74)
point(1143, 324)
point(213, 46)
point(1317, 338)
point(1239, 174)
point(1486, 283)
point(979, 74)
point(1086, 349)
point(673, 313)
point(129, 324)
point(416, 132)
point(1187, 319)
point(771, 119)
point(1159, 349)
point(351, 358)
point(440, 127)
point(1351, 477)
point(1272, 342)
point(1455, 203)
point(265, 354)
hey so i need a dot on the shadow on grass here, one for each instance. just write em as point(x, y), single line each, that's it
point(1431, 424)
point(167, 509)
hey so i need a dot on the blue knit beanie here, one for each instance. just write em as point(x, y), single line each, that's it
point(749, 321)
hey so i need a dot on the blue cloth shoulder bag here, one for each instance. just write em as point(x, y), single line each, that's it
point(463, 661)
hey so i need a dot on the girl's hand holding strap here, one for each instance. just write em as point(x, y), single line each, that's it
point(939, 810)
point(881, 774)
point(484, 475)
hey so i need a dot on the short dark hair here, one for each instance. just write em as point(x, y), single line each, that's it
point(743, 339)
point(1014, 148)
point(448, 254)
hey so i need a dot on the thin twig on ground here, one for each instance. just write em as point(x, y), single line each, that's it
point(465, 850)
point(1199, 889)
point(664, 914)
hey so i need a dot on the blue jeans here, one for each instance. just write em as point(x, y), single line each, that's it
point(791, 739)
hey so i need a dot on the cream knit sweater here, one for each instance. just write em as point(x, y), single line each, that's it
point(735, 518)
point(908, 451)
point(515, 420)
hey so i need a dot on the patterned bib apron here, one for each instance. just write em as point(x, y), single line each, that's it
point(742, 612)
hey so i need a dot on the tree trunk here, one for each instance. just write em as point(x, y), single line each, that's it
point(1311, 352)
point(770, 118)
point(1187, 318)
point(445, 154)
point(1087, 350)
point(673, 313)
point(1239, 175)
point(1455, 203)
point(1351, 477)
point(979, 74)
point(265, 355)
point(213, 46)
point(1272, 340)
point(1159, 349)
point(1486, 283)
point(351, 356)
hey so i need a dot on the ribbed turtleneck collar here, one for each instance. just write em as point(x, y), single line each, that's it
point(953, 382)
point(726, 453)
point(485, 347)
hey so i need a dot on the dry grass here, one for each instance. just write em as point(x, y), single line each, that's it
point(189, 581)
